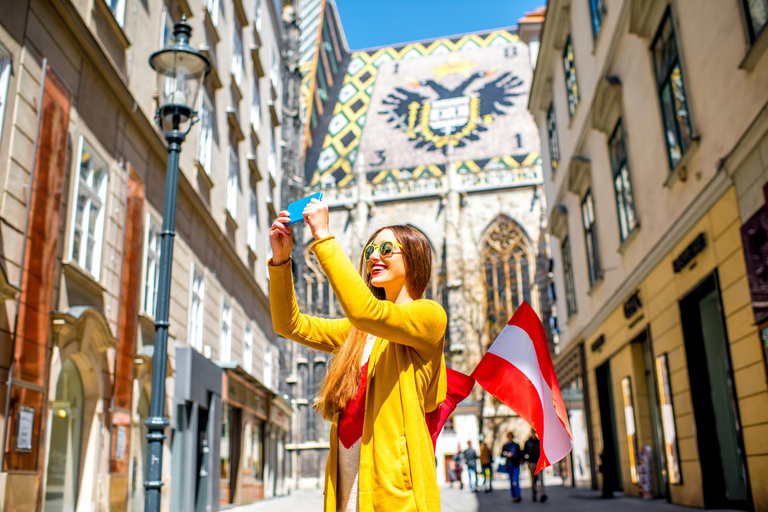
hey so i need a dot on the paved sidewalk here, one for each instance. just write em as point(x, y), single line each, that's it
point(562, 499)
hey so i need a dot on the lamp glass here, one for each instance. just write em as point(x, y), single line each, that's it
point(180, 75)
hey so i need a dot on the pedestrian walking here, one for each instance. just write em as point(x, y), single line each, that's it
point(470, 458)
point(457, 461)
point(531, 452)
point(486, 465)
point(387, 364)
point(514, 456)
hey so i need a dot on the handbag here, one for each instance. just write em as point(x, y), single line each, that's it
point(503, 468)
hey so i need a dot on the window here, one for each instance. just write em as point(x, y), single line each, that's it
point(569, 67)
point(233, 177)
point(554, 144)
point(151, 265)
point(118, 9)
point(570, 289)
point(247, 347)
point(225, 341)
point(91, 194)
point(256, 105)
point(321, 300)
point(674, 476)
point(213, 10)
point(196, 311)
point(507, 271)
point(205, 133)
point(590, 237)
point(273, 153)
point(166, 34)
point(253, 218)
point(629, 426)
point(274, 72)
point(268, 365)
point(671, 90)
point(622, 184)
point(596, 11)
point(5, 76)
point(257, 14)
point(237, 54)
point(757, 17)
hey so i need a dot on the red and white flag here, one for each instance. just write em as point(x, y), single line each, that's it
point(518, 371)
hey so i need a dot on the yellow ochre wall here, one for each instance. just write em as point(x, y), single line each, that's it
point(660, 292)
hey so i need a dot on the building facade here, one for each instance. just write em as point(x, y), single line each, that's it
point(83, 173)
point(434, 134)
point(653, 125)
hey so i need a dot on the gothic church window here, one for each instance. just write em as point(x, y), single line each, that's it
point(321, 301)
point(508, 271)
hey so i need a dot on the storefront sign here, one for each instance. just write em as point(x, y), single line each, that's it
point(599, 342)
point(632, 305)
point(754, 238)
point(690, 252)
point(24, 428)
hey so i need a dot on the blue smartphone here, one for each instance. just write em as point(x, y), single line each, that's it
point(296, 208)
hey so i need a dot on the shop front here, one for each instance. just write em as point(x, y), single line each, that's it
point(277, 468)
point(671, 372)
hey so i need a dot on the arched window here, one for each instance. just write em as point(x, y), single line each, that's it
point(321, 301)
point(508, 271)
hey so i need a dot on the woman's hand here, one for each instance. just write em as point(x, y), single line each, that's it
point(281, 238)
point(316, 217)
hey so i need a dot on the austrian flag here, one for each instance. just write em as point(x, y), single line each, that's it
point(518, 371)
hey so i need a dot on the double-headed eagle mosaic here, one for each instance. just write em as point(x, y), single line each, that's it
point(436, 117)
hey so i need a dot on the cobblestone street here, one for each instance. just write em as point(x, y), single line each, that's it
point(563, 499)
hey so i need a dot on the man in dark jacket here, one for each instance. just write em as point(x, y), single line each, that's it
point(531, 452)
point(470, 456)
point(514, 456)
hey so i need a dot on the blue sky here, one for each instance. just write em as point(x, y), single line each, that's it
point(369, 23)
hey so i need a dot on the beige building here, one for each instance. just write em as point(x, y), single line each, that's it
point(653, 123)
point(82, 173)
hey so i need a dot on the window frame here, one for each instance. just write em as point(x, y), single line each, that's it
point(233, 180)
point(569, 285)
point(749, 19)
point(571, 80)
point(258, 15)
point(117, 7)
point(225, 335)
point(196, 318)
point(256, 104)
point(150, 308)
point(247, 347)
point(620, 163)
point(553, 140)
point(238, 55)
point(213, 7)
point(102, 196)
point(666, 83)
point(589, 223)
point(205, 132)
point(166, 32)
point(6, 69)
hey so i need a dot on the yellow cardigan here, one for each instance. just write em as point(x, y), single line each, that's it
point(406, 378)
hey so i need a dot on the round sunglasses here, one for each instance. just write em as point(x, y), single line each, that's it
point(386, 249)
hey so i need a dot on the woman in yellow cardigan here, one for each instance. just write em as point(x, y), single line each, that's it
point(387, 366)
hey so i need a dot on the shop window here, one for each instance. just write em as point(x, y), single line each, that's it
point(757, 17)
point(590, 238)
point(622, 183)
point(196, 311)
point(570, 288)
point(554, 144)
point(569, 67)
point(596, 12)
point(225, 340)
point(672, 470)
point(88, 221)
point(507, 270)
point(205, 133)
point(630, 425)
point(151, 265)
point(671, 89)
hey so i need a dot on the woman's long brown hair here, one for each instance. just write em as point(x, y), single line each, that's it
point(343, 377)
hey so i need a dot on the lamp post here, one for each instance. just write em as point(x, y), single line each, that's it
point(180, 73)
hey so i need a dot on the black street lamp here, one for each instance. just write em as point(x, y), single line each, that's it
point(180, 73)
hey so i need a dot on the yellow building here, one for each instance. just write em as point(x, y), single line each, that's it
point(653, 124)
